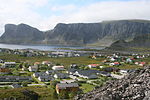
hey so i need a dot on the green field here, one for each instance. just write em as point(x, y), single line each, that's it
point(44, 93)
point(64, 61)
point(87, 87)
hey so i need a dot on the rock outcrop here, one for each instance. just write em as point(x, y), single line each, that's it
point(135, 86)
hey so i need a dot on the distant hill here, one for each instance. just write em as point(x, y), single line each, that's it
point(85, 34)
point(141, 41)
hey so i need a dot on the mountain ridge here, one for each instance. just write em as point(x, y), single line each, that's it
point(103, 33)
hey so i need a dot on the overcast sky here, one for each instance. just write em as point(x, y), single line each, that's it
point(45, 14)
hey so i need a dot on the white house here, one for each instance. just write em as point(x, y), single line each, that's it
point(9, 64)
point(46, 78)
point(58, 67)
point(33, 68)
point(93, 65)
point(61, 75)
point(101, 66)
point(112, 59)
point(46, 63)
point(111, 64)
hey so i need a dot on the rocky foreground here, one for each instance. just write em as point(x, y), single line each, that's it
point(135, 86)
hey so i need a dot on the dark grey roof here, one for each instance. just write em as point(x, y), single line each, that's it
point(65, 85)
point(15, 78)
point(46, 77)
point(72, 70)
point(51, 71)
point(88, 72)
point(40, 73)
point(16, 86)
point(62, 75)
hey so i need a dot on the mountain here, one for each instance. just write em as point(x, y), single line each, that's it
point(21, 34)
point(76, 34)
point(104, 33)
point(134, 86)
point(86, 34)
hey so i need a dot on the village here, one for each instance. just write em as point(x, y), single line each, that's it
point(72, 79)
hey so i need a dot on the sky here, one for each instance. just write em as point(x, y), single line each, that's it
point(45, 14)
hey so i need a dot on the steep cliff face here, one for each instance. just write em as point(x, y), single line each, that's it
point(104, 33)
point(89, 33)
point(76, 34)
point(21, 34)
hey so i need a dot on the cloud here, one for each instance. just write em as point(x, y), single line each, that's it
point(113, 10)
point(31, 12)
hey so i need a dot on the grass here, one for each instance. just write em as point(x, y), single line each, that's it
point(87, 87)
point(64, 61)
point(43, 92)
point(127, 66)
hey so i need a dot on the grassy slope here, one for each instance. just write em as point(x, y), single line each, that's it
point(43, 92)
point(87, 87)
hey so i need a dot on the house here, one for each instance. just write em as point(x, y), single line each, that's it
point(46, 78)
point(88, 74)
point(73, 66)
point(46, 63)
point(33, 68)
point(111, 64)
point(23, 68)
point(128, 60)
point(5, 71)
point(37, 63)
point(59, 68)
point(15, 78)
point(1, 61)
point(69, 87)
point(69, 54)
point(9, 64)
point(103, 73)
point(93, 65)
point(112, 59)
point(111, 69)
point(61, 75)
point(37, 74)
point(50, 72)
point(93, 57)
point(116, 63)
point(142, 63)
point(101, 67)
point(71, 71)
point(58, 54)
point(67, 81)
point(136, 63)
point(77, 55)
point(16, 86)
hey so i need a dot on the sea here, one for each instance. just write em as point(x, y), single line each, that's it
point(46, 47)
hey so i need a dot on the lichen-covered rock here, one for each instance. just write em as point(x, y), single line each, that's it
point(135, 86)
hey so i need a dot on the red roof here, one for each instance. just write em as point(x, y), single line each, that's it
point(143, 63)
point(94, 64)
point(117, 63)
